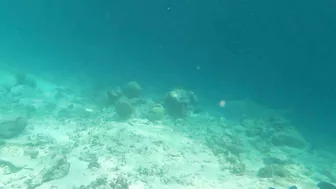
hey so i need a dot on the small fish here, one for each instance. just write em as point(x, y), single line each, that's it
point(88, 109)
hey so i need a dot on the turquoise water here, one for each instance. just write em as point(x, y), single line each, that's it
point(223, 90)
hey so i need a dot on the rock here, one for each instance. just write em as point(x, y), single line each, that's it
point(132, 90)
point(265, 172)
point(179, 102)
point(276, 158)
point(124, 108)
point(325, 185)
point(272, 170)
point(12, 128)
point(13, 159)
point(283, 139)
point(238, 169)
point(156, 113)
point(12, 168)
point(57, 168)
point(112, 96)
point(291, 187)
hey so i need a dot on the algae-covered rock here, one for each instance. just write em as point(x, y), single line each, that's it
point(273, 170)
point(124, 108)
point(112, 96)
point(178, 102)
point(325, 185)
point(12, 127)
point(156, 113)
point(238, 169)
point(132, 90)
point(57, 168)
point(290, 140)
point(265, 172)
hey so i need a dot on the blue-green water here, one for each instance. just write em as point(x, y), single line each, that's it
point(280, 54)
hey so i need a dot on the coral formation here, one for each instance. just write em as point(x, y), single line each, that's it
point(132, 90)
point(112, 96)
point(178, 102)
point(73, 134)
point(155, 113)
point(124, 108)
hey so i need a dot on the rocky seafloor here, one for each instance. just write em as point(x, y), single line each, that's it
point(56, 136)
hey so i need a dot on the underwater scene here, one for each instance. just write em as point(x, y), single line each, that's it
point(167, 94)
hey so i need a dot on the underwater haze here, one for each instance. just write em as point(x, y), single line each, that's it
point(167, 94)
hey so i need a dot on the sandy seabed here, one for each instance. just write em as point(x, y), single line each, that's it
point(72, 143)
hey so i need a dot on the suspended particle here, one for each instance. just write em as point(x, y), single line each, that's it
point(222, 103)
